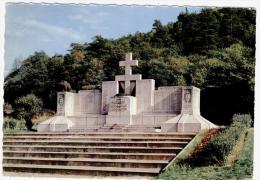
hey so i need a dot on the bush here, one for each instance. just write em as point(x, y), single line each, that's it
point(241, 169)
point(21, 125)
point(9, 123)
point(26, 107)
point(243, 120)
point(219, 147)
point(8, 109)
point(13, 124)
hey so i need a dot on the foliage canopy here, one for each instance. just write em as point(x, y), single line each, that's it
point(213, 50)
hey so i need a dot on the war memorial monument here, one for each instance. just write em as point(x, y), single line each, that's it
point(130, 128)
point(129, 103)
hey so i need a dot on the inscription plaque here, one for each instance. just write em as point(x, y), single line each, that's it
point(118, 105)
point(60, 107)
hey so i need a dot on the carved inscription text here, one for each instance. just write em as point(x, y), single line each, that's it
point(118, 105)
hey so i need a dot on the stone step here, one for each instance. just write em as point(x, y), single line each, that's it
point(130, 163)
point(83, 130)
point(141, 126)
point(92, 153)
point(118, 134)
point(148, 130)
point(98, 143)
point(92, 149)
point(101, 138)
point(81, 170)
point(109, 128)
point(102, 155)
point(112, 126)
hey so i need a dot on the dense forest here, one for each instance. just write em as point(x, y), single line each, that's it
point(213, 50)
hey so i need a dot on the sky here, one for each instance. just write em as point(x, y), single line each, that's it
point(53, 27)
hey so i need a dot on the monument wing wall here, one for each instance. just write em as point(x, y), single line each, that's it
point(87, 102)
point(168, 99)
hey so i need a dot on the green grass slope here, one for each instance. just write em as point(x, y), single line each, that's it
point(240, 169)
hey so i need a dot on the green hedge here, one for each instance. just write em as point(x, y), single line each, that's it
point(219, 147)
point(12, 124)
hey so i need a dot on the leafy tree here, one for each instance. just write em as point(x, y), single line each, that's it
point(30, 78)
point(213, 50)
point(8, 109)
point(26, 107)
point(159, 71)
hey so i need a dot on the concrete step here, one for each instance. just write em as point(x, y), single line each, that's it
point(129, 163)
point(99, 138)
point(81, 170)
point(150, 130)
point(83, 130)
point(98, 143)
point(104, 155)
point(111, 128)
point(126, 128)
point(92, 149)
point(97, 134)
point(92, 153)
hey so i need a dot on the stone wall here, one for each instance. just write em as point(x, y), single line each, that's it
point(151, 120)
point(65, 103)
point(87, 102)
point(145, 95)
point(109, 90)
point(168, 99)
point(85, 122)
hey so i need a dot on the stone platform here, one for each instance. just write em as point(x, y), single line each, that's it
point(92, 154)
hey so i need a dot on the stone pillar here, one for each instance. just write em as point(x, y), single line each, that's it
point(61, 104)
point(190, 119)
point(109, 90)
point(145, 95)
point(65, 104)
point(190, 103)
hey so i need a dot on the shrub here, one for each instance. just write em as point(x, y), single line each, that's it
point(21, 125)
point(8, 109)
point(219, 147)
point(26, 107)
point(13, 124)
point(9, 123)
point(243, 120)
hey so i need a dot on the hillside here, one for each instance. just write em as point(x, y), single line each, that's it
point(213, 50)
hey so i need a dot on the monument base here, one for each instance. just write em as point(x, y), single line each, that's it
point(120, 120)
point(186, 123)
point(121, 110)
point(55, 124)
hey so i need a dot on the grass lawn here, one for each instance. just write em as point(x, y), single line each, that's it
point(241, 168)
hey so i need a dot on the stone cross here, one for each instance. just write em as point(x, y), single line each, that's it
point(128, 77)
point(128, 63)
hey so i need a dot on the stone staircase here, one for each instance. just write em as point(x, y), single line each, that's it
point(118, 128)
point(91, 154)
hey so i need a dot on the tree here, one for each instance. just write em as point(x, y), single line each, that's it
point(158, 71)
point(212, 49)
point(161, 37)
point(8, 109)
point(31, 77)
point(77, 50)
point(26, 107)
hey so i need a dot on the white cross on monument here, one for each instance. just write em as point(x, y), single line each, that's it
point(128, 63)
point(128, 77)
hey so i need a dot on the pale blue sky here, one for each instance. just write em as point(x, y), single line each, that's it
point(52, 28)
